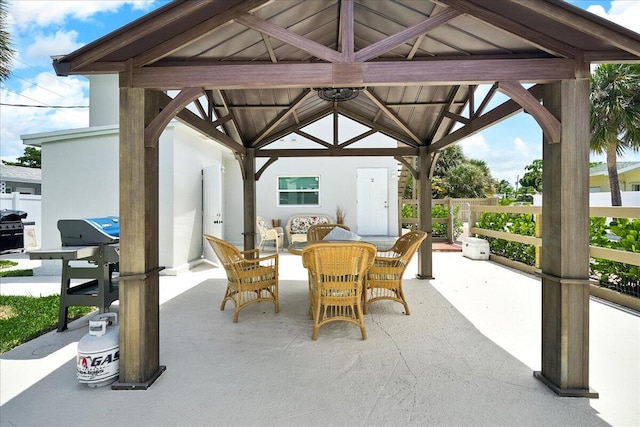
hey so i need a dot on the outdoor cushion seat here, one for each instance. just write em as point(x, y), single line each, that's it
point(298, 225)
point(250, 278)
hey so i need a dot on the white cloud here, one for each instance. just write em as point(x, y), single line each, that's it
point(44, 46)
point(622, 12)
point(505, 160)
point(26, 14)
point(47, 89)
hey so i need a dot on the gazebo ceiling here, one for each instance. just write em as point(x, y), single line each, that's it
point(414, 63)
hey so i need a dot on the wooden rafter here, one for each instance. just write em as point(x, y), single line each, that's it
point(227, 12)
point(283, 115)
point(404, 36)
point(346, 30)
point(529, 35)
point(289, 37)
point(559, 13)
point(393, 116)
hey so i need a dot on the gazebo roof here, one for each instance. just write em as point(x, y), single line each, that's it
point(415, 64)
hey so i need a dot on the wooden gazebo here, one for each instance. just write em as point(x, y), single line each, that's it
point(257, 70)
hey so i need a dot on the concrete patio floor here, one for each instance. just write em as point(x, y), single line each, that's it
point(464, 357)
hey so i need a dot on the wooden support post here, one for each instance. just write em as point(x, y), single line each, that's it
point(565, 236)
point(249, 190)
point(425, 219)
point(139, 293)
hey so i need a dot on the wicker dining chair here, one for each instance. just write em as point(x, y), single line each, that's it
point(384, 278)
point(336, 274)
point(250, 278)
point(319, 231)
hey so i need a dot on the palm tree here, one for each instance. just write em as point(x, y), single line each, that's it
point(615, 116)
point(6, 53)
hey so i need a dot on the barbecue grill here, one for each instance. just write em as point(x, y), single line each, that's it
point(90, 254)
point(11, 230)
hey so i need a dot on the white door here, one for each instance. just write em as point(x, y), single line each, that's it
point(373, 206)
point(211, 206)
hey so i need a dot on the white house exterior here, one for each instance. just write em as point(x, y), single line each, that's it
point(80, 179)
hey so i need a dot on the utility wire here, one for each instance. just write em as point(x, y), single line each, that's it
point(24, 96)
point(46, 73)
point(44, 106)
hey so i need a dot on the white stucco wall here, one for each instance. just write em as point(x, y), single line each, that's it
point(103, 100)
point(338, 182)
point(81, 180)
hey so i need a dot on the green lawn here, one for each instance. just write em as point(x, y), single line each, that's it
point(23, 318)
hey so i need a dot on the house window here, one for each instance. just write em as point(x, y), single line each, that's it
point(299, 191)
point(635, 187)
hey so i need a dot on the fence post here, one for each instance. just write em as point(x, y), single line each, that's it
point(449, 221)
point(472, 218)
point(537, 218)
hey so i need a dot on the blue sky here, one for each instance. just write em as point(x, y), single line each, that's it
point(41, 29)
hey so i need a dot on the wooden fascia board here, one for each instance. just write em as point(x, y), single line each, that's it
point(339, 152)
point(391, 42)
point(529, 35)
point(499, 113)
point(195, 33)
point(110, 43)
point(394, 73)
point(601, 30)
point(316, 49)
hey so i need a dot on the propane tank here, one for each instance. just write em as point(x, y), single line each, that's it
point(98, 362)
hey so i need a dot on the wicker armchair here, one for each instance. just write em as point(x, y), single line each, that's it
point(318, 231)
point(384, 279)
point(268, 233)
point(336, 275)
point(249, 278)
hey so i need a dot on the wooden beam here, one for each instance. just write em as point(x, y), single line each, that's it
point(338, 152)
point(549, 124)
point(223, 15)
point(499, 113)
point(393, 116)
point(153, 131)
point(398, 136)
point(205, 127)
point(265, 166)
point(528, 35)
point(346, 30)
point(172, 12)
point(316, 49)
point(306, 94)
point(398, 39)
point(451, 96)
point(594, 26)
point(390, 73)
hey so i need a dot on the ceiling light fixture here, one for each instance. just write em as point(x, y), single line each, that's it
point(338, 94)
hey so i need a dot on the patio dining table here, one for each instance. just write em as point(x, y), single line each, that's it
point(296, 248)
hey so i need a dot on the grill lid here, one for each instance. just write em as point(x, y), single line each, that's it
point(89, 231)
